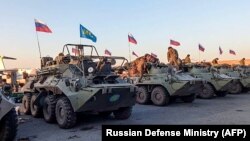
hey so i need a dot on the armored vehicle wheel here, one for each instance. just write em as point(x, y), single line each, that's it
point(65, 115)
point(189, 98)
point(49, 108)
point(142, 95)
point(26, 103)
point(207, 92)
point(159, 96)
point(235, 88)
point(8, 126)
point(123, 113)
point(35, 110)
point(221, 94)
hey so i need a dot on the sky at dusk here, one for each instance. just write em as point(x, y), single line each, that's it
point(212, 23)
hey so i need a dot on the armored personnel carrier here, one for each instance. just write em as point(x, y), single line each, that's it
point(161, 84)
point(217, 84)
point(83, 82)
point(8, 119)
point(241, 72)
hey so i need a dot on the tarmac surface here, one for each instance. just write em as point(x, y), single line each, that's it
point(232, 109)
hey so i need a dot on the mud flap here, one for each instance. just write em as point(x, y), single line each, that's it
point(40, 99)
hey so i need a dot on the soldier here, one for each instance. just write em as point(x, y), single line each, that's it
point(173, 57)
point(242, 62)
point(215, 62)
point(59, 58)
point(187, 60)
point(104, 66)
point(154, 60)
point(139, 66)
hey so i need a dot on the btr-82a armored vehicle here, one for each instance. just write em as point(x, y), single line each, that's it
point(217, 84)
point(161, 84)
point(241, 72)
point(77, 83)
point(8, 119)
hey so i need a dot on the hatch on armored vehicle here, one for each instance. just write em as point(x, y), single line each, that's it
point(83, 82)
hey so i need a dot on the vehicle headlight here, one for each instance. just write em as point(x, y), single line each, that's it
point(77, 85)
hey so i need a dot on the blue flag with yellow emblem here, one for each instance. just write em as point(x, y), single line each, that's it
point(85, 33)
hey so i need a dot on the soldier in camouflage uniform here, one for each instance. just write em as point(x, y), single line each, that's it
point(59, 58)
point(173, 57)
point(187, 60)
point(242, 62)
point(215, 62)
point(138, 67)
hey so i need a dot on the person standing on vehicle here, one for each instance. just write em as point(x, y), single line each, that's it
point(138, 66)
point(242, 62)
point(215, 62)
point(187, 60)
point(173, 57)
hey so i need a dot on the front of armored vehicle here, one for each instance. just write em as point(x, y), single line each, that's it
point(176, 83)
point(183, 84)
point(5, 105)
point(219, 82)
point(226, 83)
point(8, 119)
point(244, 74)
point(89, 93)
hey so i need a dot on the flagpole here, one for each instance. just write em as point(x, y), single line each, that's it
point(38, 45)
point(199, 56)
point(129, 52)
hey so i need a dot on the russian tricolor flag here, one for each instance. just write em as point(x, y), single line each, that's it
point(131, 39)
point(232, 52)
point(42, 27)
point(107, 52)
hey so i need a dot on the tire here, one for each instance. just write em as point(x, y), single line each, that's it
point(8, 126)
point(26, 104)
point(221, 94)
point(207, 92)
point(65, 115)
point(235, 88)
point(159, 96)
point(123, 113)
point(49, 108)
point(142, 95)
point(189, 98)
point(34, 109)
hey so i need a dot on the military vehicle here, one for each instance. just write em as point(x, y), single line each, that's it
point(77, 83)
point(15, 77)
point(8, 119)
point(161, 84)
point(242, 72)
point(217, 84)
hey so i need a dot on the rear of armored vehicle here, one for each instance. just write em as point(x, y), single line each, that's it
point(8, 119)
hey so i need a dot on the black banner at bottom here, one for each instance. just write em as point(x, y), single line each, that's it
point(175, 132)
